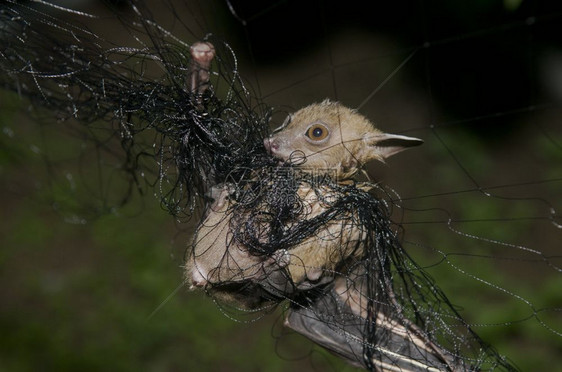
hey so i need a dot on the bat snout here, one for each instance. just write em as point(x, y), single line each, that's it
point(271, 145)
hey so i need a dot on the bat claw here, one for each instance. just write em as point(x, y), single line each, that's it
point(202, 54)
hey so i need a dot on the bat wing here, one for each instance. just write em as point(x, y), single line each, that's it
point(331, 322)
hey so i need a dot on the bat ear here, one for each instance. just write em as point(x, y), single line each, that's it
point(383, 145)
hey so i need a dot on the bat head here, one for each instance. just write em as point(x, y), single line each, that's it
point(329, 136)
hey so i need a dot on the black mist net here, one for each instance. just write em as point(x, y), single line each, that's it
point(271, 233)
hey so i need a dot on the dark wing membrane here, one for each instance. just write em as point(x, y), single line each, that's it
point(385, 313)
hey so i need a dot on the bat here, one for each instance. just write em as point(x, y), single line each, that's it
point(337, 271)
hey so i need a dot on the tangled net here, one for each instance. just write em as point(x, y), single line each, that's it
point(271, 232)
point(138, 92)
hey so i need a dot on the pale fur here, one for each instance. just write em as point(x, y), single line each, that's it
point(353, 141)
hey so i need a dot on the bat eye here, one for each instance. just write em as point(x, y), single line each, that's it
point(317, 132)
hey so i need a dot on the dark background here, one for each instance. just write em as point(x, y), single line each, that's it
point(482, 87)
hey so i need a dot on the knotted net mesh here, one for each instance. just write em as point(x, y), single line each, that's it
point(271, 233)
